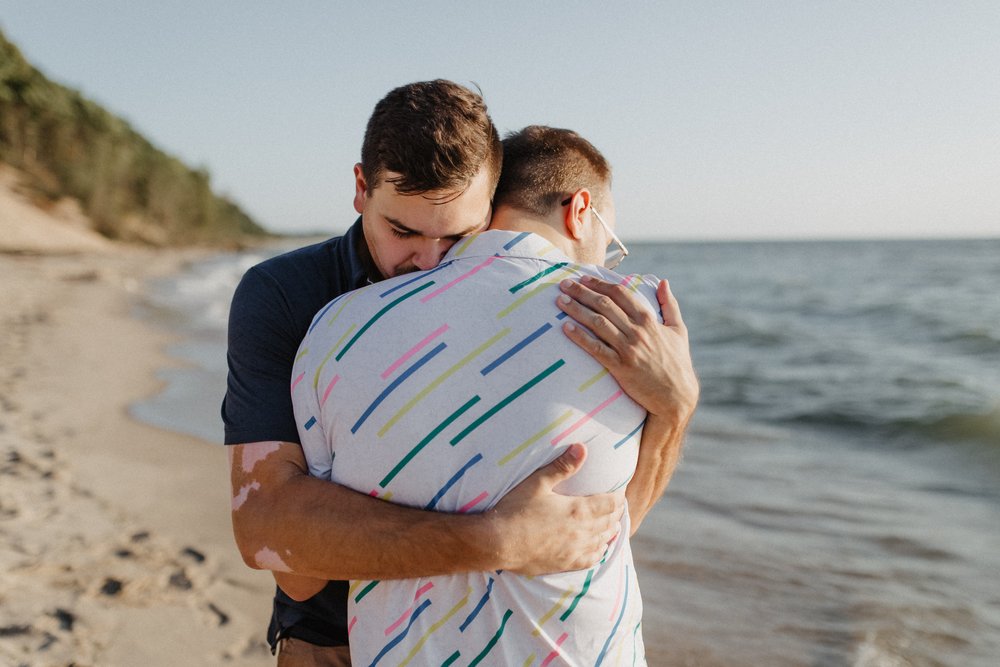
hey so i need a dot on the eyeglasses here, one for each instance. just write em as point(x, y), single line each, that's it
point(613, 256)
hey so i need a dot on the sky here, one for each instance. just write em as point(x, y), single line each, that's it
point(722, 120)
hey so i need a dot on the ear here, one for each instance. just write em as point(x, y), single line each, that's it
point(573, 216)
point(360, 189)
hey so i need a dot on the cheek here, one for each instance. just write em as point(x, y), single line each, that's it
point(396, 251)
point(380, 248)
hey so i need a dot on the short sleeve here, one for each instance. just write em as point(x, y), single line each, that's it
point(647, 285)
point(309, 418)
point(644, 285)
point(262, 344)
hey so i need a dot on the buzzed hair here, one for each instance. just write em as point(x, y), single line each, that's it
point(436, 135)
point(544, 165)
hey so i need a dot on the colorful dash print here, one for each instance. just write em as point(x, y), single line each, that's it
point(444, 390)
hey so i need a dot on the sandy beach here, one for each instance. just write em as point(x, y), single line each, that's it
point(115, 541)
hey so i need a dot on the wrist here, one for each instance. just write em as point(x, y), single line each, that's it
point(678, 413)
point(487, 542)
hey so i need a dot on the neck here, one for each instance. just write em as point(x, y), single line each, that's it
point(515, 220)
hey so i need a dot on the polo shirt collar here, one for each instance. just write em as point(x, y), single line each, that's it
point(362, 267)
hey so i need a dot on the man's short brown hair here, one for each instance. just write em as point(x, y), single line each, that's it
point(544, 165)
point(436, 134)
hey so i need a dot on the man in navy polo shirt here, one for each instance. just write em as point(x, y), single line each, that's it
point(430, 162)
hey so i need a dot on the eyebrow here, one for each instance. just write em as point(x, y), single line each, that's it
point(403, 228)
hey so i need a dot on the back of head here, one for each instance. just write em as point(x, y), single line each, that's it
point(543, 165)
point(436, 135)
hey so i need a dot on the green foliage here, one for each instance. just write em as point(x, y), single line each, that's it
point(70, 146)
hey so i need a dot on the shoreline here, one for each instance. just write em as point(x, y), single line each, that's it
point(115, 540)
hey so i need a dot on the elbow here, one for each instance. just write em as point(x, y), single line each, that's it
point(250, 559)
point(245, 542)
point(634, 521)
point(297, 594)
point(297, 587)
point(260, 496)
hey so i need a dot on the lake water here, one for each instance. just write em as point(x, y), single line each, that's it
point(839, 498)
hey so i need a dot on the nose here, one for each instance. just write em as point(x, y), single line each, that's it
point(430, 253)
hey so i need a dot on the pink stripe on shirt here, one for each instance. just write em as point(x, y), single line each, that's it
point(587, 417)
point(413, 350)
point(329, 388)
point(462, 277)
point(472, 503)
point(555, 654)
point(406, 614)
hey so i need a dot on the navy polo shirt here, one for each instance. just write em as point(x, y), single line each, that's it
point(271, 311)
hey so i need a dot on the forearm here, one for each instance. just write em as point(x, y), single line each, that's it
point(659, 454)
point(286, 521)
point(312, 527)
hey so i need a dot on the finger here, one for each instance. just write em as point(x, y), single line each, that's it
point(604, 508)
point(626, 299)
point(597, 302)
point(604, 354)
point(619, 507)
point(591, 558)
point(670, 310)
point(610, 534)
point(596, 324)
point(565, 465)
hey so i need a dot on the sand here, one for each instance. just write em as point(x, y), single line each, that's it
point(25, 228)
point(115, 541)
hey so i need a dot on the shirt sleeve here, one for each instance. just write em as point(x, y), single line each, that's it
point(262, 344)
point(646, 285)
point(309, 418)
point(643, 284)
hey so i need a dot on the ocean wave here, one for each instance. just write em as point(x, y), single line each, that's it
point(965, 426)
point(954, 427)
point(727, 329)
point(976, 341)
point(201, 294)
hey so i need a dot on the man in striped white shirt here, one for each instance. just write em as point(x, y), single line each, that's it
point(443, 389)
